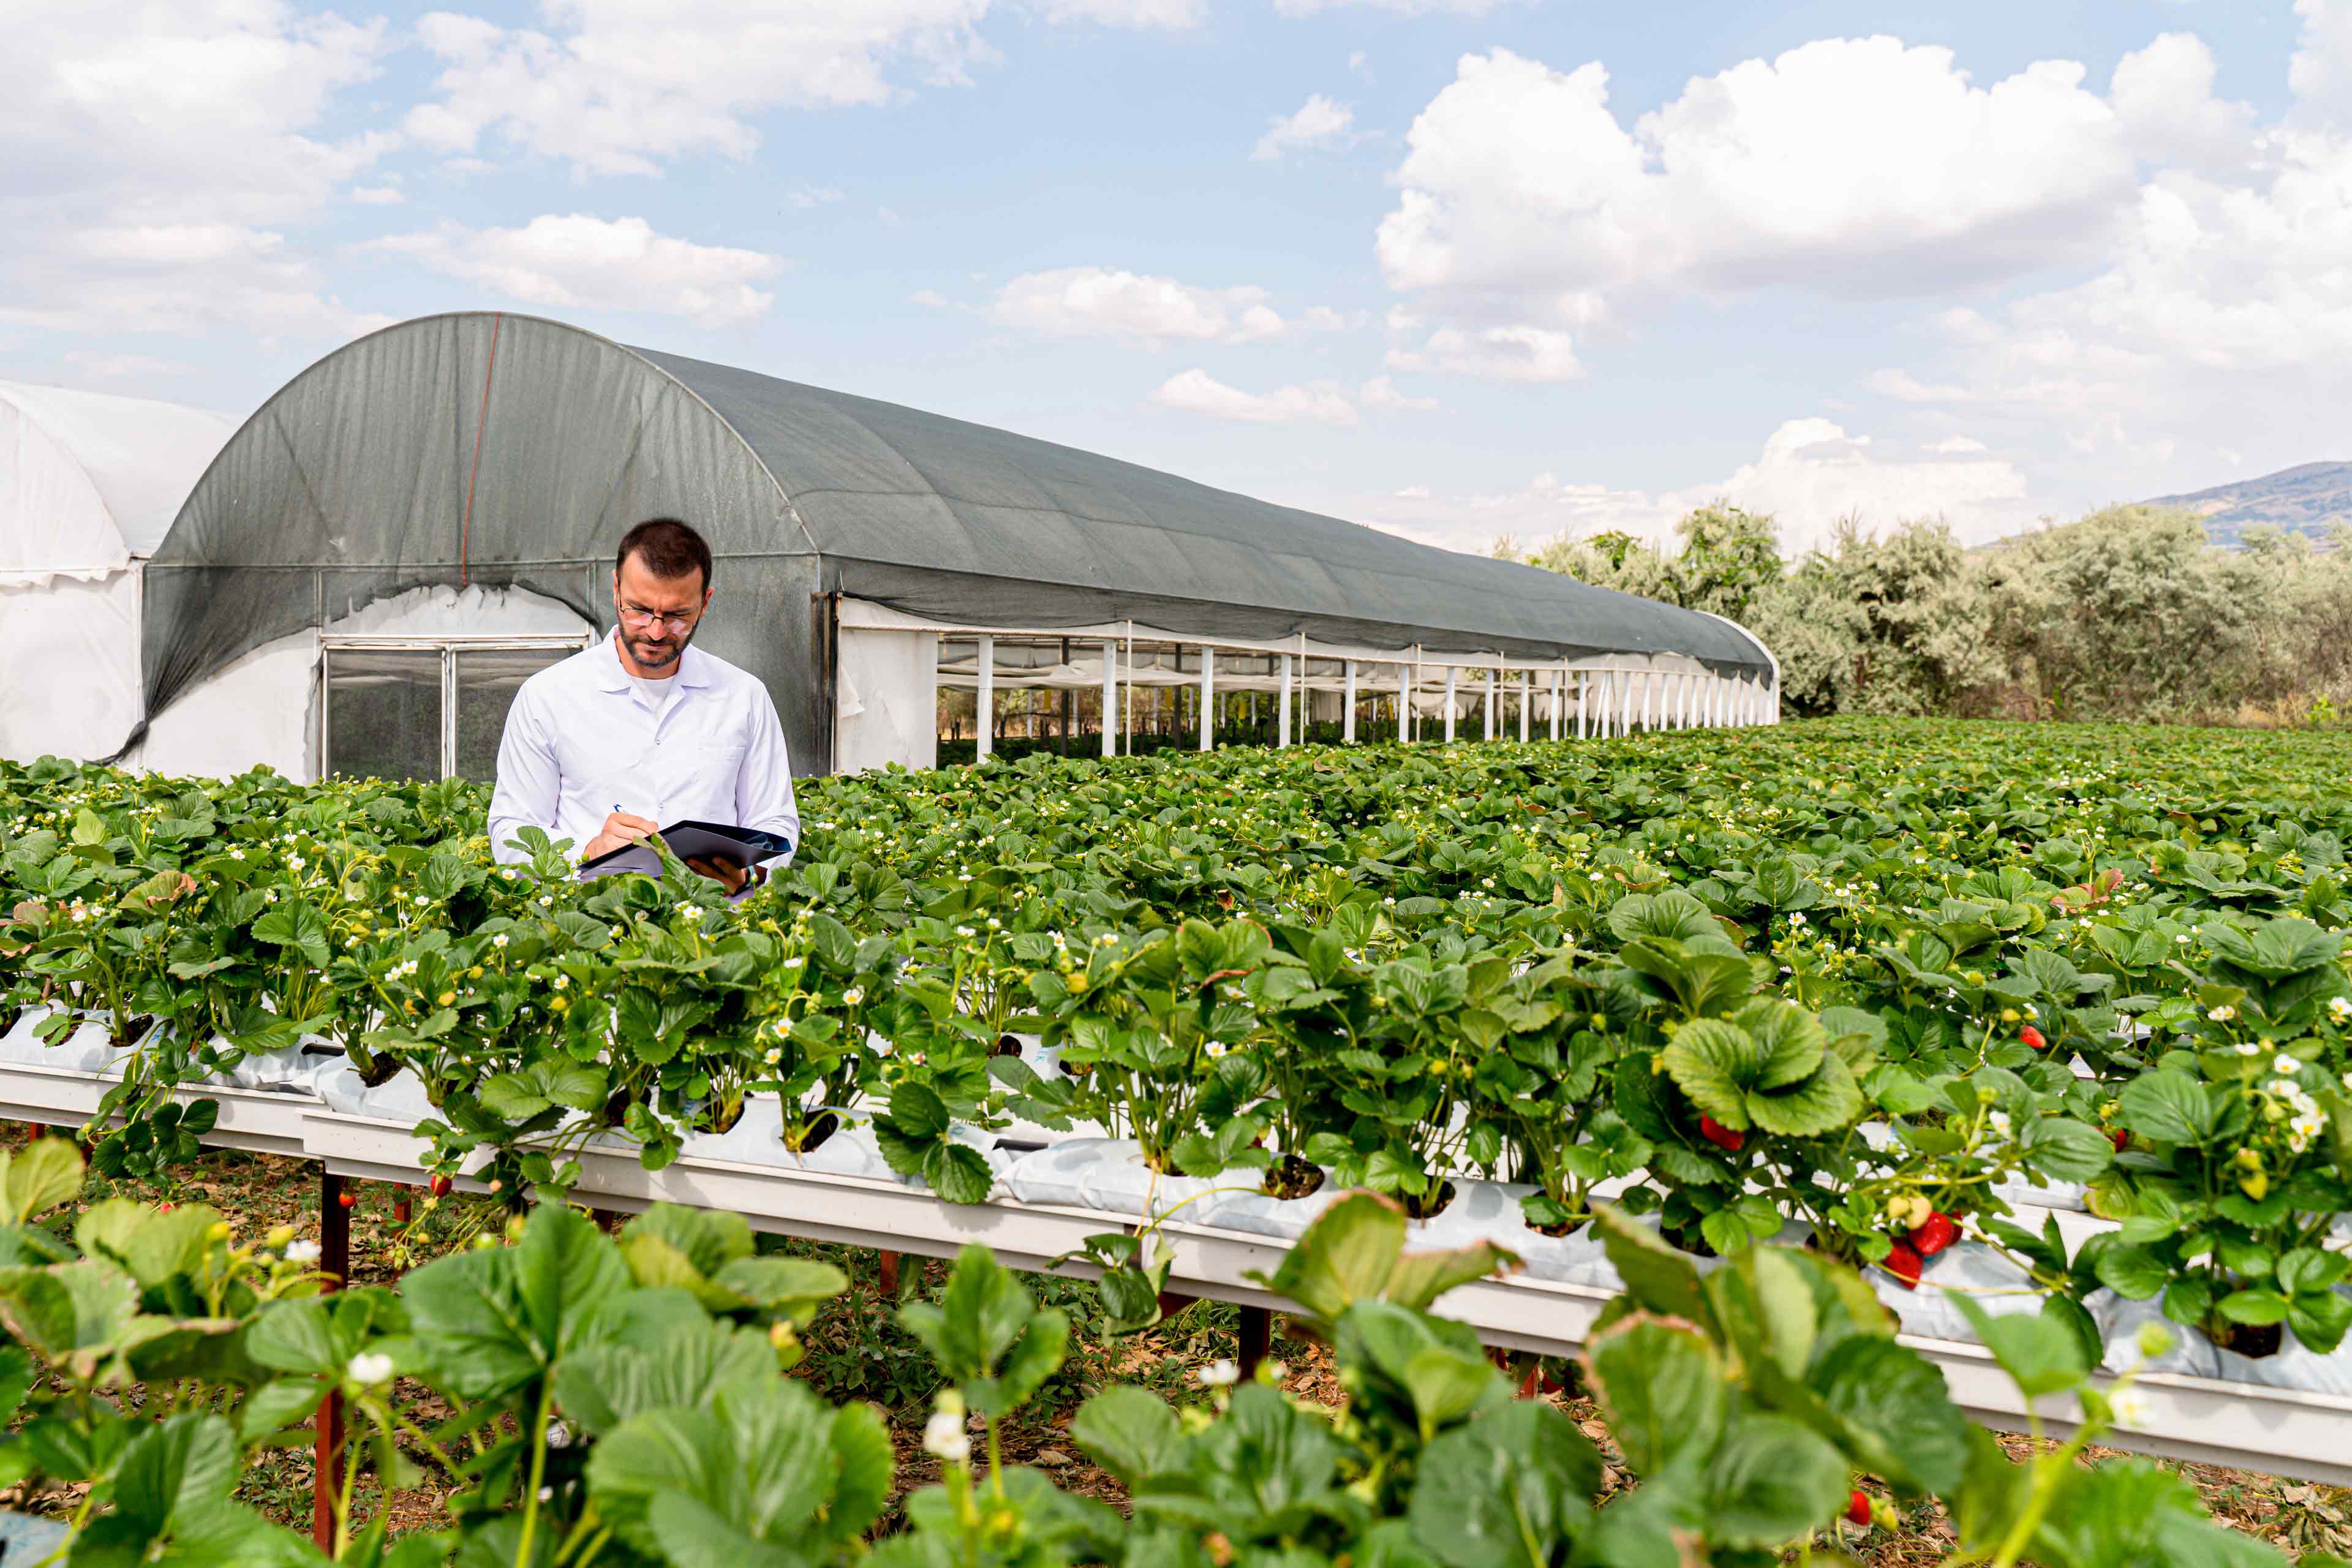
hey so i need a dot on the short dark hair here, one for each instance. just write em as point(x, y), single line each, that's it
point(668, 548)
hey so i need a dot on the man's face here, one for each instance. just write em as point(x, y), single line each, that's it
point(658, 615)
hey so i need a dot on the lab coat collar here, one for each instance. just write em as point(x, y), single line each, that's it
point(693, 667)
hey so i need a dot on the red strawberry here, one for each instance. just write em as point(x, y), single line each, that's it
point(1904, 1264)
point(347, 1198)
point(440, 1186)
point(1722, 1137)
point(2122, 1137)
point(1857, 1507)
point(2032, 1037)
point(1934, 1233)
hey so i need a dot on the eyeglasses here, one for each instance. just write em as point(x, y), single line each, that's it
point(643, 620)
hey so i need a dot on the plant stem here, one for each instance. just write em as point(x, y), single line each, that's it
point(537, 1473)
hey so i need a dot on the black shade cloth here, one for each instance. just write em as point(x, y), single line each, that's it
point(379, 470)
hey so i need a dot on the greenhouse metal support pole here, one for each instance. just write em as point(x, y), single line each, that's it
point(1493, 698)
point(1558, 693)
point(1208, 697)
point(983, 701)
point(1405, 695)
point(1111, 699)
point(1449, 705)
point(1527, 702)
point(1282, 719)
point(1583, 700)
point(1347, 714)
point(335, 1266)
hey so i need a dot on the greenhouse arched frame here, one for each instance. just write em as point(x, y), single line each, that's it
point(427, 515)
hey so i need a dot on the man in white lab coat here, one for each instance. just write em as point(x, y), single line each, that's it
point(644, 728)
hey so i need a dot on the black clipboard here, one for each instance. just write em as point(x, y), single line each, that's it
point(689, 841)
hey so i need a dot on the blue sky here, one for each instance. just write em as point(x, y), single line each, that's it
point(1460, 268)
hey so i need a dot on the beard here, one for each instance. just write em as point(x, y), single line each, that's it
point(657, 659)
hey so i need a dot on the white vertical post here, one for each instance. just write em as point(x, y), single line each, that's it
point(1449, 704)
point(1527, 702)
point(1208, 697)
point(984, 700)
point(1282, 719)
point(1583, 701)
point(1774, 718)
point(1493, 698)
point(1558, 693)
point(1348, 713)
point(1625, 704)
point(1111, 699)
point(1714, 703)
point(1650, 679)
point(1408, 688)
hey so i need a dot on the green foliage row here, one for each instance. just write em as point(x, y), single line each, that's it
point(1836, 975)
point(584, 1401)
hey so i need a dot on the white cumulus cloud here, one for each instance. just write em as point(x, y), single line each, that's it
point(1846, 167)
point(1381, 392)
point(2219, 316)
point(1100, 302)
point(580, 262)
point(1402, 7)
point(1167, 14)
point(1495, 354)
point(1318, 123)
point(155, 156)
point(1197, 392)
point(616, 86)
point(1808, 474)
point(1843, 165)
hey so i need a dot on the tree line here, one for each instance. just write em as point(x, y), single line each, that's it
point(2128, 614)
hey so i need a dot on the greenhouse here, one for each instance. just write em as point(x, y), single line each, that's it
point(418, 522)
point(89, 485)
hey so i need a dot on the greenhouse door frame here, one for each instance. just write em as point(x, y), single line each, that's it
point(449, 645)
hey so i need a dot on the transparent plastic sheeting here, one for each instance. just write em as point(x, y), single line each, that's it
point(506, 451)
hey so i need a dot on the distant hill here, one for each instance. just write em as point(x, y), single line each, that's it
point(2302, 499)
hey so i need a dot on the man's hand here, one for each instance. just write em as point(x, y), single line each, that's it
point(620, 828)
point(722, 869)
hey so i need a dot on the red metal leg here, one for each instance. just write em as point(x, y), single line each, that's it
point(335, 1262)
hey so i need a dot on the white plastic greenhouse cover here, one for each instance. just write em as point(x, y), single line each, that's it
point(88, 481)
point(88, 486)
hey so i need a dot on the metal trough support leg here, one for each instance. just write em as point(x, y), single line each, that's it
point(335, 1263)
point(1256, 1339)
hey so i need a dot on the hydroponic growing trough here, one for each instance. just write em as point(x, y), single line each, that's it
point(2292, 1432)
